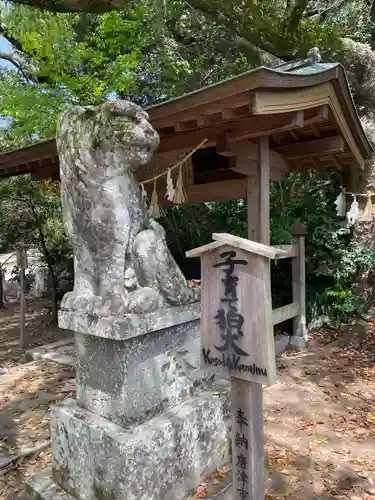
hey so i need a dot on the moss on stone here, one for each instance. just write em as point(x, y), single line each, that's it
point(104, 493)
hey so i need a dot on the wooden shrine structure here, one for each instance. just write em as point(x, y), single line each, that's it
point(256, 127)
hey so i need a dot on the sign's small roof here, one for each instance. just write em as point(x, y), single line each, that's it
point(226, 239)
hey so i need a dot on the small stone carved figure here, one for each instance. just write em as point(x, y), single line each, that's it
point(313, 56)
point(121, 260)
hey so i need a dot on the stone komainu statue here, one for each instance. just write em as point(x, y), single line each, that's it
point(121, 261)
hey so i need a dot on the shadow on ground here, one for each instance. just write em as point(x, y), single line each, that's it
point(39, 330)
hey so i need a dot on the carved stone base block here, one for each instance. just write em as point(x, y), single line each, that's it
point(130, 381)
point(164, 458)
point(147, 424)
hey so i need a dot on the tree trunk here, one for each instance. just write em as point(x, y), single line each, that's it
point(2, 304)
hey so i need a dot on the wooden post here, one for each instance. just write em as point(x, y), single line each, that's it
point(253, 207)
point(237, 339)
point(299, 338)
point(247, 440)
point(22, 264)
point(264, 188)
point(237, 330)
point(250, 394)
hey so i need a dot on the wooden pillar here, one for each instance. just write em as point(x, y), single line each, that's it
point(299, 232)
point(264, 191)
point(247, 399)
point(258, 201)
point(250, 394)
point(253, 206)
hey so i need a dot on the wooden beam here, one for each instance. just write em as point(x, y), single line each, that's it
point(243, 128)
point(222, 145)
point(217, 191)
point(185, 125)
point(265, 125)
point(203, 121)
point(225, 106)
point(315, 130)
point(319, 114)
point(253, 205)
point(299, 281)
point(254, 395)
point(39, 151)
point(304, 149)
point(247, 154)
point(228, 114)
point(284, 313)
point(286, 251)
point(265, 102)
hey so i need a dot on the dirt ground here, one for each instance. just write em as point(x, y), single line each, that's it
point(319, 417)
point(38, 331)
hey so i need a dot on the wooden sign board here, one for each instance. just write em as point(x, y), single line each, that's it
point(236, 321)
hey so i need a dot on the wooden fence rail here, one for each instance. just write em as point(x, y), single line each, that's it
point(297, 309)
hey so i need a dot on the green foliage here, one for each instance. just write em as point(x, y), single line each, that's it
point(190, 226)
point(29, 112)
point(334, 260)
point(140, 50)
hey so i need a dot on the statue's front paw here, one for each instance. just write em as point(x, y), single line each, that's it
point(110, 305)
point(144, 300)
point(73, 301)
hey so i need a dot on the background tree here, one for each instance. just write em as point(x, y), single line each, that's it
point(150, 51)
point(33, 217)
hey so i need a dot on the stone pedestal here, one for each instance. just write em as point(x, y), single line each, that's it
point(147, 423)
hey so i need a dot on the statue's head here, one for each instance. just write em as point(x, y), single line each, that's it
point(116, 131)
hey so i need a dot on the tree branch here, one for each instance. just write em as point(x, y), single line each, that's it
point(11, 58)
point(323, 13)
point(247, 39)
point(296, 15)
point(98, 6)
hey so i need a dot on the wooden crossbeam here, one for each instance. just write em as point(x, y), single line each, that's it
point(284, 313)
point(316, 147)
point(243, 128)
point(286, 251)
point(39, 151)
point(159, 120)
point(317, 115)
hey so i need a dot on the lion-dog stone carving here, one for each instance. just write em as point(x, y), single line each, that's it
point(121, 260)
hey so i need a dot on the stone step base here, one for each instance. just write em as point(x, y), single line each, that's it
point(162, 459)
point(41, 487)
